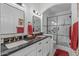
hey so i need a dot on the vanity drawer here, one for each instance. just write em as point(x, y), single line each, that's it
point(24, 51)
point(31, 53)
point(40, 43)
point(39, 51)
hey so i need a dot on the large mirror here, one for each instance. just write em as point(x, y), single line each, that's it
point(11, 19)
point(36, 24)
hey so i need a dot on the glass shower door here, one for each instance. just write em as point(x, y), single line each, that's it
point(58, 26)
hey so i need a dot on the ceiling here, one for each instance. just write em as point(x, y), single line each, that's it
point(41, 6)
point(59, 8)
point(50, 7)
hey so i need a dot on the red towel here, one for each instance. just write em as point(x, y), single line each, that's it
point(20, 29)
point(60, 52)
point(73, 34)
point(30, 31)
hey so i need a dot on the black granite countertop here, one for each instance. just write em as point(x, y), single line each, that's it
point(5, 51)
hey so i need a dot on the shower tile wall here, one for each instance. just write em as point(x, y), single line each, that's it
point(59, 27)
point(52, 27)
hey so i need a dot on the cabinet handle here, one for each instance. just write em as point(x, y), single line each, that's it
point(39, 50)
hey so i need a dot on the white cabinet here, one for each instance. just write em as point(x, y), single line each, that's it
point(22, 52)
point(41, 48)
point(25, 51)
point(46, 46)
point(52, 43)
point(32, 53)
point(39, 52)
point(45, 51)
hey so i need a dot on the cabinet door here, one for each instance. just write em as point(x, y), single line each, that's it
point(51, 46)
point(45, 51)
point(21, 52)
point(26, 51)
point(39, 52)
point(32, 53)
point(46, 47)
point(39, 48)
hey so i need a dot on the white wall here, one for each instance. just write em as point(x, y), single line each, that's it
point(46, 6)
point(74, 12)
point(44, 23)
point(27, 17)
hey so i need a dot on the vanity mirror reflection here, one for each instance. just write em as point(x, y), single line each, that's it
point(36, 24)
